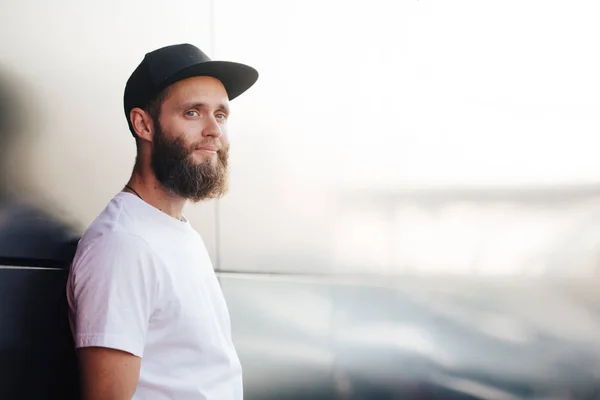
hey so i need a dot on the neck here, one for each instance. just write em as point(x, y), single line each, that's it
point(146, 185)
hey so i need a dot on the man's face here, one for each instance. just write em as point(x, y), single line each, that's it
point(190, 144)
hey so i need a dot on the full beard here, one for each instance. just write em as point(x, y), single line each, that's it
point(175, 169)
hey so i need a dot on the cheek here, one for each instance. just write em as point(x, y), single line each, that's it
point(172, 127)
point(190, 130)
point(224, 136)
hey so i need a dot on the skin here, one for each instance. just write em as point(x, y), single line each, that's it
point(197, 110)
point(108, 374)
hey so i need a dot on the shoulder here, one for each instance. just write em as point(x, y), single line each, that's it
point(110, 232)
point(115, 251)
point(113, 241)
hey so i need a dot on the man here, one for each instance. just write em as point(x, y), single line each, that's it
point(148, 316)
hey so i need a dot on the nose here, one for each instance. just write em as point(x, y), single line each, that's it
point(212, 128)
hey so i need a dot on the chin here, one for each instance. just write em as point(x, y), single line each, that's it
point(200, 159)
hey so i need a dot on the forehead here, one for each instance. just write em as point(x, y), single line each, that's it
point(199, 88)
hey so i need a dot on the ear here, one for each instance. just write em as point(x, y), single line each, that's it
point(142, 124)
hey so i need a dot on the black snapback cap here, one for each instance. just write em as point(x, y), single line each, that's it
point(167, 65)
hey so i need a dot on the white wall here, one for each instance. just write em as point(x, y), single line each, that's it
point(352, 95)
point(75, 56)
point(387, 95)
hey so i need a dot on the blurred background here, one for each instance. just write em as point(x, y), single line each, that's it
point(414, 205)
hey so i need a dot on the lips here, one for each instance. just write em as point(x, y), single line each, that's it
point(208, 148)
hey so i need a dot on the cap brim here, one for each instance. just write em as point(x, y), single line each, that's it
point(236, 77)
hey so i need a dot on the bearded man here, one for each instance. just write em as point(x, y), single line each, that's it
point(147, 314)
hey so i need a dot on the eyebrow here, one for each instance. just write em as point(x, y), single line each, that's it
point(221, 106)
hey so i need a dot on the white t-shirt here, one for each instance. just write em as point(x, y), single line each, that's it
point(143, 282)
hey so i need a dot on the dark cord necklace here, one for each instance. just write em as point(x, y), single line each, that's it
point(134, 191)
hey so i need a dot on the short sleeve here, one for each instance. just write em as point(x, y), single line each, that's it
point(113, 290)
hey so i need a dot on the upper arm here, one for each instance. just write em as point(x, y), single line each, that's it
point(108, 374)
point(112, 292)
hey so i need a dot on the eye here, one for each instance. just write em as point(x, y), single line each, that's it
point(221, 116)
point(191, 113)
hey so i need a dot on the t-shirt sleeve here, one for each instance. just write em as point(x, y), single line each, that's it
point(113, 291)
